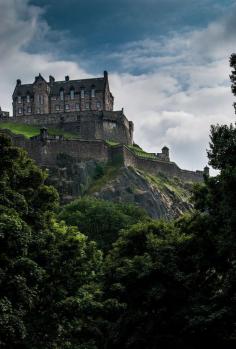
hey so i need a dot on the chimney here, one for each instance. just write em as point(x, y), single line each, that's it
point(105, 74)
point(18, 82)
point(67, 78)
point(51, 79)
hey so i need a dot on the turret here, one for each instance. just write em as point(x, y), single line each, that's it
point(165, 153)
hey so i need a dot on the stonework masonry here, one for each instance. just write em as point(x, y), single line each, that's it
point(45, 149)
point(85, 109)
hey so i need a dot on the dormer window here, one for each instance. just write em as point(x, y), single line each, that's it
point(93, 92)
point(72, 94)
point(82, 93)
point(19, 99)
point(28, 98)
point(61, 95)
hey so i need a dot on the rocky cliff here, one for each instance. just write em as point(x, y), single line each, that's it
point(159, 196)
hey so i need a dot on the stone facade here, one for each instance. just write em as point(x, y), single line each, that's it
point(42, 97)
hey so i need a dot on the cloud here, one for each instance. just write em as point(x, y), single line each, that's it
point(22, 25)
point(181, 88)
point(184, 89)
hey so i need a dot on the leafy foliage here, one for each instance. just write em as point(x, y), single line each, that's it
point(101, 220)
point(49, 289)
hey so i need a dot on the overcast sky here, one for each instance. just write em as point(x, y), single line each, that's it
point(167, 61)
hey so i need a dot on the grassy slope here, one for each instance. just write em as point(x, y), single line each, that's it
point(181, 190)
point(30, 130)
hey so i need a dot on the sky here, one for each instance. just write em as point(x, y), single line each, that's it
point(168, 61)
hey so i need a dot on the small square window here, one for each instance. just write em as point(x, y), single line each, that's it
point(19, 99)
point(82, 93)
point(98, 105)
point(28, 98)
point(19, 110)
point(67, 107)
point(57, 107)
point(77, 107)
point(87, 106)
point(38, 111)
point(93, 92)
point(29, 110)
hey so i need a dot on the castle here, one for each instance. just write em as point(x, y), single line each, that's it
point(85, 109)
point(82, 106)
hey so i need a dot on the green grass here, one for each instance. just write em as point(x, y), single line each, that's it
point(109, 172)
point(140, 152)
point(30, 130)
point(111, 143)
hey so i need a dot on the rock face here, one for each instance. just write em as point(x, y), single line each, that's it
point(167, 200)
point(159, 196)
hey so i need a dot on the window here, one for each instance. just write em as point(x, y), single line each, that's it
point(93, 92)
point(98, 105)
point(41, 99)
point(19, 110)
point(29, 110)
point(82, 93)
point(77, 107)
point(67, 107)
point(28, 98)
point(72, 94)
point(19, 99)
point(87, 106)
point(57, 107)
point(61, 95)
point(38, 111)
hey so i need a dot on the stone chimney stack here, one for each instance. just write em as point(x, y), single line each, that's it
point(67, 78)
point(51, 79)
point(18, 82)
point(105, 75)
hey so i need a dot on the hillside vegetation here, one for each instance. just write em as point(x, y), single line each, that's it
point(31, 130)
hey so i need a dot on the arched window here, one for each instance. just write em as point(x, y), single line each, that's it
point(72, 93)
point(61, 95)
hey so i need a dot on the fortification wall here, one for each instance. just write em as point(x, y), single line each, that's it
point(88, 124)
point(46, 151)
point(168, 168)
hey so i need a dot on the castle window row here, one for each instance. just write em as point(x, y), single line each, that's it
point(76, 107)
point(40, 98)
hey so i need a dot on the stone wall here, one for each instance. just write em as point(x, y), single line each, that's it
point(88, 124)
point(168, 168)
point(45, 152)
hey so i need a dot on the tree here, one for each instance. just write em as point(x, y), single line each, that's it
point(101, 220)
point(49, 288)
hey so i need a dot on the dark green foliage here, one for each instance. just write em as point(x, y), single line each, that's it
point(101, 220)
point(49, 290)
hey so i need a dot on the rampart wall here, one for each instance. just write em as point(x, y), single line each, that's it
point(88, 124)
point(45, 152)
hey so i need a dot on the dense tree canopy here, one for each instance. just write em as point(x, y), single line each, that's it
point(101, 220)
point(49, 290)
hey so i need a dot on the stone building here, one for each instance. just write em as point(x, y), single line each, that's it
point(3, 114)
point(42, 97)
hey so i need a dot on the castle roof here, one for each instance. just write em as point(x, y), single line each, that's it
point(87, 84)
point(97, 83)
